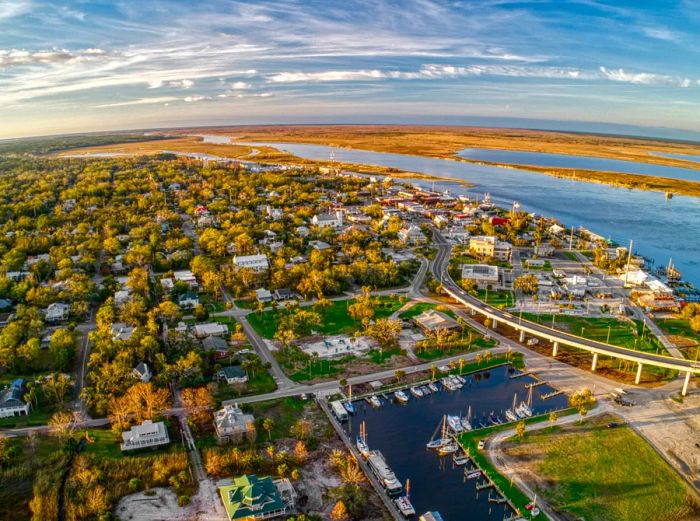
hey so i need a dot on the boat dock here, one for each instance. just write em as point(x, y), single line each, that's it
point(536, 384)
point(552, 394)
point(518, 375)
point(484, 485)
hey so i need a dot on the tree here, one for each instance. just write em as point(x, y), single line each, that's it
point(399, 374)
point(300, 452)
point(553, 417)
point(583, 401)
point(146, 401)
point(340, 512)
point(301, 429)
point(385, 331)
point(527, 283)
point(56, 386)
point(61, 424)
point(268, 424)
point(520, 429)
point(199, 403)
point(62, 348)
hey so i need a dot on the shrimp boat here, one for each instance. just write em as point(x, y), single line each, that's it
point(415, 391)
point(401, 396)
point(348, 404)
point(374, 401)
point(512, 413)
point(436, 443)
point(361, 441)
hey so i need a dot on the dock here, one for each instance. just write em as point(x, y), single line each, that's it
point(552, 394)
point(518, 375)
point(498, 500)
point(484, 485)
point(536, 384)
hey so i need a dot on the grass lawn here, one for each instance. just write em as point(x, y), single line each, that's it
point(283, 412)
point(378, 357)
point(40, 417)
point(571, 256)
point(594, 472)
point(416, 310)
point(499, 299)
point(259, 384)
point(623, 333)
point(334, 319)
point(687, 340)
point(321, 369)
point(435, 352)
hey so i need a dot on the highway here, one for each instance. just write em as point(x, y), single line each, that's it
point(439, 270)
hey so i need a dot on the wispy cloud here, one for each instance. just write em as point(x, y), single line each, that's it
point(14, 8)
point(16, 57)
point(644, 78)
point(140, 101)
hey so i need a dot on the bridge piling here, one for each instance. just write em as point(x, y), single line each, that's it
point(595, 362)
point(555, 349)
point(522, 336)
point(638, 378)
point(686, 381)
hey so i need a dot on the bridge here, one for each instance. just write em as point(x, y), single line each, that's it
point(439, 270)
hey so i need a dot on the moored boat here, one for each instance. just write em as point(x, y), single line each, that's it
point(401, 396)
point(455, 423)
point(380, 468)
point(433, 387)
point(415, 391)
point(460, 459)
point(349, 407)
point(472, 474)
point(450, 448)
point(404, 505)
point(374, 401)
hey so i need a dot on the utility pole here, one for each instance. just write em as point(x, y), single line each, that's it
point(629, 260)
point(571, 239)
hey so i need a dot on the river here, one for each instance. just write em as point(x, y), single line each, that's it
point(400, 432)
point(661, 229)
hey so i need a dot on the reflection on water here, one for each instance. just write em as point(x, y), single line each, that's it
point(400, 432)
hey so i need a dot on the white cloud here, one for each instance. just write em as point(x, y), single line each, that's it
point(643, 78)
point(16, 57)
point(141, 101)
point(293, 77)
point(240, 85)
point(182, 84)
point(13, 8)
point(661, 33)
point(194, 99)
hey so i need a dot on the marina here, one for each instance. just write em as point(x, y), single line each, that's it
point(415, 441)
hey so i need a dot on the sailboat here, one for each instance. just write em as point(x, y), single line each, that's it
point(348, 404)
point(467, 421)
point(403, 503)
point(361, 441)
point(436, 443)
point(512, 413)
point(525, 409)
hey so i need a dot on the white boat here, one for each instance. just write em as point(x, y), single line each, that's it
point(348, 404)
point(380, 468)
point(443, 440)
point(460, 459)
point(401, 396)
point(433, 387)
point(374, 401)
point(451, 448)
point(404, 505)
point(361, 441)
point(473, 475)
point(525, 408)
point(460, 379)
point(455, 424)
point(466, 424)
point(512, 413)
point(448, 384)
point(415, 391)
point(455, 381)
point(426, 390)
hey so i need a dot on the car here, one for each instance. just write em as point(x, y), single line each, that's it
point(532, 341)
point(481, 445)
point(612, 425)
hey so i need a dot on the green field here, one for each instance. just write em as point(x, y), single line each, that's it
point(623, 333)
point(283, 412)
point(681, 328)
point(605, 474)
point(499, 299)
point(261, 383)
point(334, 319)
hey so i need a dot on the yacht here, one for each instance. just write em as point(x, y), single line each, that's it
point(401, 396)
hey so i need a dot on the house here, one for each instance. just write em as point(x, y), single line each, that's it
point(263, 295)
point(232, 374)
point(121, 297)
point(441, 220)
point(319, 245)
point(142, 372)
point(5, 304)
point(302, 231)
point(458, 234)
point(5, 319)
point(658, 301)
point(485, 276)
point(121, 331)
point(232, 424)
point(187, 277)
point(544, 250)
point(489, 246)
point(188, 300)
point(412, 235)
point(251, 498)
point(283, 294)
point(210, 329)
point(12, 400)
point(324, 220)
point(555, 229)
point(57, 312)
point(430, 321)
point(217, 344)
point(146, 435)
point(257, 263)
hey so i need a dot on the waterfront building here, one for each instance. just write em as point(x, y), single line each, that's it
point(253, 498)
point(146, 435)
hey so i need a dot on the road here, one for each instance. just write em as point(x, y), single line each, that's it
point(439, 269)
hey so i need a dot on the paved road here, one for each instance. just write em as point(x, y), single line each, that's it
point(439, 269)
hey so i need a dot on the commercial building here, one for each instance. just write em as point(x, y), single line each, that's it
point(431, 321)
point(485, 276)
point(488, 246)
point(12, 401)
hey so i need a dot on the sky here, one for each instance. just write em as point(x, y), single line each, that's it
point(78, 65)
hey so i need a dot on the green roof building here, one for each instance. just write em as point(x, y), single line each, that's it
point(251, 498)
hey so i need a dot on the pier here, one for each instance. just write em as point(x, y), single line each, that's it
point(518, 375)
point(536, 384)
point(484, 485)
point(552, 394)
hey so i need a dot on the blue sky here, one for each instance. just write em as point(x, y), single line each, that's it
point(77, 65)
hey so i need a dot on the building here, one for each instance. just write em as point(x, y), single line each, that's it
point(57, 312)
point(232, 374)
point(232, 424)
point(216, 344)
point(263, 295)
point(431, 321)
point(188, 300)
point(485, 276)
point(186, 276)
point(458, 234)
point(210, 329)
point(121, 331)
point(142, 372)
point(488, 246)
point(251, 498)
point(412, 235)
point(324, 220)
point(257, 263)
point(144, 436)
point(12, 400)
point(544, 250)
point(5, 304)
point(283, 294)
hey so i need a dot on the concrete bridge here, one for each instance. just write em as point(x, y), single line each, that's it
point(439, 270)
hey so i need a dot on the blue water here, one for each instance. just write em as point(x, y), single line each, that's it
point(400, 432)
point(661, 229)
point(516, 157)
point(687, 157)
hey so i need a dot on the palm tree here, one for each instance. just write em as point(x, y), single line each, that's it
point(267, 425)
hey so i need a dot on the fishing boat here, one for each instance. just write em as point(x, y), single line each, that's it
point(433, 387)
point(374, 401)
point(460, 459)
point(380, 469)
point(401, 396)
point(450, 448)
point(361, 441)
point(415, 391)
point(404, 505)
point(448, 384)
point(456, 382)
point(455, 423)
point(460, 379)
point(512, 413)
point(444, 439)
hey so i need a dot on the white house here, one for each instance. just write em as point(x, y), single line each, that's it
point(188, 300)
point(12, 400)
point(142, 372)
point(263, 295)
point(121, 331)
point(324, 220)
point(210, 329)
point(57, 312)
point(232, 424)
point(185, 276)
point(412, 235)
point(257, 263)
point(232, 374)
point(146, 435)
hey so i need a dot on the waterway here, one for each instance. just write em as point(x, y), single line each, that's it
point(400, 432)
point(686, 157)
point(661, 229)
point(517, 157)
